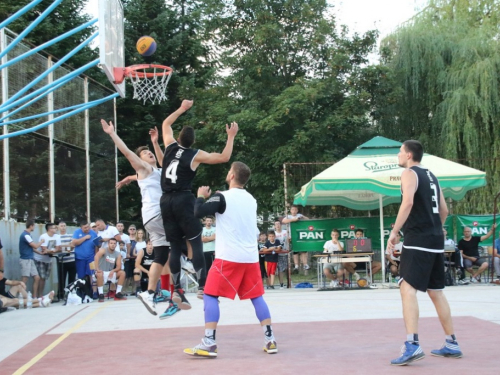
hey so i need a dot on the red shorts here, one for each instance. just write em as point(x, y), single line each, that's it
point(271, 268)
point(226, 279)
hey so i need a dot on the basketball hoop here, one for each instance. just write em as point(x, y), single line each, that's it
point(149, 80)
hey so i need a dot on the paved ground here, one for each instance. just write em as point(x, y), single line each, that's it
point(356, 332)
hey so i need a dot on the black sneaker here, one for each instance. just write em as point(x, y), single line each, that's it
point(180, 299)
point(101, 297)
point(120, 297)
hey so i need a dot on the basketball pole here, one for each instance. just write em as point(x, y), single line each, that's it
point(4, 74)
point(382, 245)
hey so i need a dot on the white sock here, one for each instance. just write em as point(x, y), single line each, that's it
point(119, 288)
point(100, 289)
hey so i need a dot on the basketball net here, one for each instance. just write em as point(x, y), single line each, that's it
point(150, 86)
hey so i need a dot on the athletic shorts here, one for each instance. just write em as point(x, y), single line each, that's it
point(177, 211)
point(106, 278)
point(43, 269)
point(478, 262)
point(422, 269)
point(226, 279)
point(156, 231)
point(83, 267)
point(282, 263)
point(271, 268)
point(28, 267)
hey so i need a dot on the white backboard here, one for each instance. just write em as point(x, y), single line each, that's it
point(111, 40)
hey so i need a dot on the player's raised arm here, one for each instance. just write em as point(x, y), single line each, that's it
point(168, 133)
point(203, 157)
point(156, 145)
point(135, 161)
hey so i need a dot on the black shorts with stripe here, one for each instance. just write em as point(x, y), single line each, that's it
point(422, 269)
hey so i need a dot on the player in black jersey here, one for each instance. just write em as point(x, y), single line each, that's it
point(422, 214)
point(180, 163)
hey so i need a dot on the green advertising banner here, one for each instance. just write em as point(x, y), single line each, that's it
point(480, 225)
point(311, 235)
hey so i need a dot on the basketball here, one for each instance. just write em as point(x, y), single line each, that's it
point(146, 45)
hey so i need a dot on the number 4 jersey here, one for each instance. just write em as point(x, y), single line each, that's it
point(423, 229)
point(177, 173)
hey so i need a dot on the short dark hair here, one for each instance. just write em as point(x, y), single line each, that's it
point(48, 225)
point(99, 219)
point(30, 223)
point(83, 223)
point(415, 148)
point(241, 172)
point(360, 230)
point(140, 149)
point(336, 231)
point(271, 232)
point(113, 239)
point(262, 232)
point(186, 136)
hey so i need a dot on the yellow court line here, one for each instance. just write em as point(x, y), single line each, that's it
point(45, 351)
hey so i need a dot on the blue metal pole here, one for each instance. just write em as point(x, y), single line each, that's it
point(51, 69)
point(57, 119)
point(34, 24)
point(48, 44)
point(19, 13)
point(66, 78)
point(40, 115)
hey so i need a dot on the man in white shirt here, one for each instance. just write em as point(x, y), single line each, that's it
point(51, 244)
point(208, 239)
point(68, 266)
point(106, 232)
point(236, 267)
point(282, 237)
point(331, 247)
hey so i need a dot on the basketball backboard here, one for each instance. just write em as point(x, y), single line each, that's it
point(111, 40)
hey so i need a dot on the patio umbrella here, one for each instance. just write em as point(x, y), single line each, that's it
point(370, 178)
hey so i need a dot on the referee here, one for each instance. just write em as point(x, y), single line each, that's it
point(421, 216)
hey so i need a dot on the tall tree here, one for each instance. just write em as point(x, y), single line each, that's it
point(445, 63)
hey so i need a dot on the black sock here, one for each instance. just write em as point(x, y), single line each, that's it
point(412, 338)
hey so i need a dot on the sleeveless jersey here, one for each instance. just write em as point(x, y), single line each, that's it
point(108, 260)
point(423, 229)
point(147, 259)
point(151, 195)
point(177, 174)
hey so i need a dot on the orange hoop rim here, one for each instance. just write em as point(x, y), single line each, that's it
point(133, 72)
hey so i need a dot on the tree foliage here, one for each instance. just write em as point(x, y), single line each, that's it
point(445, 66)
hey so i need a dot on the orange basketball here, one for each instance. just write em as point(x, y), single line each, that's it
point(146, 45)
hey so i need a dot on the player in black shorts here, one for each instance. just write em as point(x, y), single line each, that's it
point(422, 214)
point(180, 163)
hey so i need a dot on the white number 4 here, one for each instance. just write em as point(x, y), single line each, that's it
point(435, 203)
point(171, 172)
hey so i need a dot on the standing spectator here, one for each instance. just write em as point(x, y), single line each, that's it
point(68, 261)
point(140, 242)
point(208, 239)
point(496, 259)
point(51, 244)
point(106, 232)
point(469, 247)
point(128, 263)
point(27, 247)
point(262, 255)
point(271, 249)
point(83, 242)
point(282, 237)
point(93, 226)
point(296, 216)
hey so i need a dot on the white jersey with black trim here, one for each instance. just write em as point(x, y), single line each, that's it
point(151, 195)
point(237, 230)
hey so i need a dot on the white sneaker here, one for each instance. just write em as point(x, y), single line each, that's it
point(356, 276)
point(306, 266)
point(148, 301)
point(187, 265)
point(473, 280)
point(334, 284)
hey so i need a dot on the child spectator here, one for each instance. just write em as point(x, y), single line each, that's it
point(271, 249)
point(262, 255)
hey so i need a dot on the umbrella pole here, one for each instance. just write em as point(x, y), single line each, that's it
point(493, 249)
point(382, 245)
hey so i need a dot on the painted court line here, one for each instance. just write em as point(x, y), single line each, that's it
point(44, 352)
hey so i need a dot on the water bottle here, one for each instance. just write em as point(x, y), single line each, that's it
point(29, 305)
point(21, 301)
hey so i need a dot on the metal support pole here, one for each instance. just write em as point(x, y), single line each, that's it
point(4, 74)
point(116, 165)
point(50, 117)
point(87, 147)
point(382, 244)
point(289, 271)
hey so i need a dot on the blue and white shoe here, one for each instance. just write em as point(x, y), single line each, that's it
point(449, 349)
point(163, 296)
point(171, 310)
point(410, 353)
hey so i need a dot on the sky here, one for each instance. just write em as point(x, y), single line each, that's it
point(359, 15)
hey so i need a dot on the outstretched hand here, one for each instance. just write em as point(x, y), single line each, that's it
point(154, 135)
point(186, 104)
point(108, 128)
point(123, 182)
point(204, 191)
point(232, 130)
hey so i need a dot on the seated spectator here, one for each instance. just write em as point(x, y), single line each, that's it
point(393, 259)
point(376, 265)
point(143, 263)
point(296, 216)
point(272, 248)
point(456, 258)
point(27, 259)
point(1, 256)
point(331, 247)
point(9, 298)
point(469, 247)
point(108, 263)
point(50, 245)
point(496, 259)
point(262, 255)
